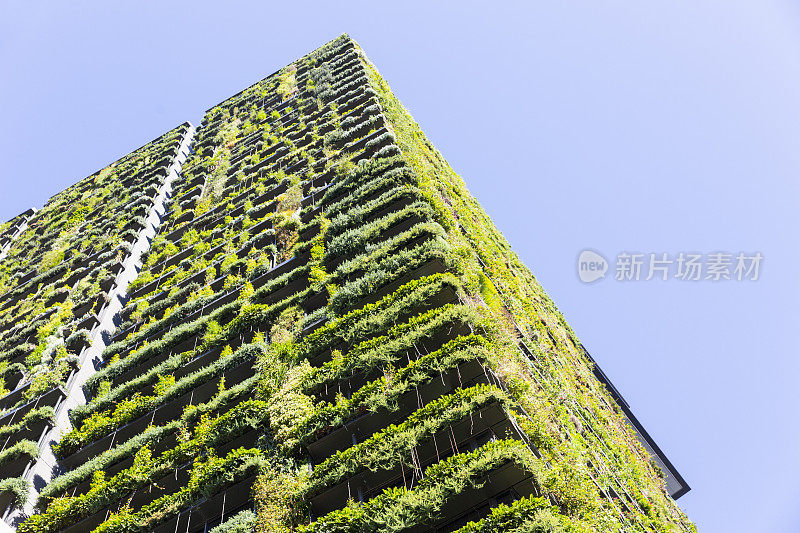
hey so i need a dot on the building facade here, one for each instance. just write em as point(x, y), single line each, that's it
point(297, 318)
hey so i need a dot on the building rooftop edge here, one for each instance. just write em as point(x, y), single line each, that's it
point(640, 430)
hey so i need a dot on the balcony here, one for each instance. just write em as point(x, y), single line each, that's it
point(364, 426)
point(171, 410)
point(468, 434)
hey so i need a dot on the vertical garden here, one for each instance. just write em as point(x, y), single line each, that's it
point(58, 267)
point(327, 334)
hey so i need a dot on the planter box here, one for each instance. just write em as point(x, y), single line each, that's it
point(162, 414)
point(445, 296)
point(205, 514)
point(57, 298)
point(33, 432)
point(172, 260)
point(53, 398)
point(166, 442)
point(478, 427)
point(88, 323)
point(185, 217)
point(116, 268)
point(16, 467)
point(173, 481)
point(11, 398)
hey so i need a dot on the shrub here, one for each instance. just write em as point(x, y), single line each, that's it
point(242, 522)
point(18, 488)
point(78, 340)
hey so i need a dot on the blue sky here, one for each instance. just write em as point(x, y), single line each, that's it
point(616, 126)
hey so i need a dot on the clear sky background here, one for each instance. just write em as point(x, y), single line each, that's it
point(656, 126)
